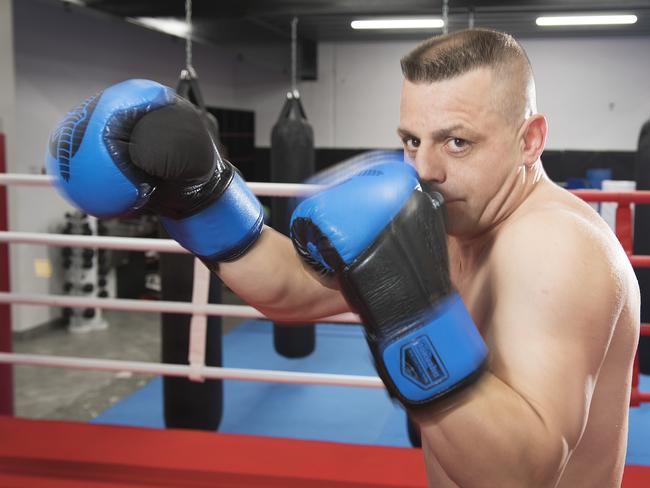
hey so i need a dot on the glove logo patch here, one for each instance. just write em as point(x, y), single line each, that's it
point(66, 139)
point(420, 363)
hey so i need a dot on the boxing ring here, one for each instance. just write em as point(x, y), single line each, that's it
point(55, 454)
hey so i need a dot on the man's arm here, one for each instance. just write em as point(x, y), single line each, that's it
point(137, 145)
point(556, 300)
point(272, 278)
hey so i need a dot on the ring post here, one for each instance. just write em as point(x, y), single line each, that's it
point(6, 372)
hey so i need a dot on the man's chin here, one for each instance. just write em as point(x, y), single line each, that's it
point(457, 227)
point(454, 230)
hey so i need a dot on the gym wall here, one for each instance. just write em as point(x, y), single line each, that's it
point(62, 56)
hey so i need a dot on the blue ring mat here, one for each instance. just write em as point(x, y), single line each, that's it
point(329, 413)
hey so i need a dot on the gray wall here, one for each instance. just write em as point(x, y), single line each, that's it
point(63, 56)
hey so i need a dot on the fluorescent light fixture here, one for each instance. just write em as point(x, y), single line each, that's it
point(168, 25)
point(412, 23)
point(586, 20)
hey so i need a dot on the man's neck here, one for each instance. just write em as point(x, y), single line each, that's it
point(514, 194)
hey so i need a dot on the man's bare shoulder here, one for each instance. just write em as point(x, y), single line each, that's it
point(559, 226)
point(561, 242)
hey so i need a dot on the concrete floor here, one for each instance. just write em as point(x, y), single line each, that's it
point(68, 394)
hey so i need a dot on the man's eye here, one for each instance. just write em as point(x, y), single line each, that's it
point(457, 144)
point(411, 143)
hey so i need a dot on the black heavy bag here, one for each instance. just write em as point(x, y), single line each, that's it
point(188, 88)
point(642, 239)
point(414, 432)
point(188, 404)
point(292, 161)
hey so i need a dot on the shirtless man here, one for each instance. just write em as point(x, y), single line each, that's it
point(544, 280)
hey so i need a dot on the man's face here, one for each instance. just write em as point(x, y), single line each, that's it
point(462, 147)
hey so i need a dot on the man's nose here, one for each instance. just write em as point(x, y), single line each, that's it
point(429, 168)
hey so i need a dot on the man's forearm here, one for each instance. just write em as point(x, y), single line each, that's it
point(272, 278)
point(488, 435)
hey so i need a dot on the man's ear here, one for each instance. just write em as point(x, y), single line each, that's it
point(532, 136)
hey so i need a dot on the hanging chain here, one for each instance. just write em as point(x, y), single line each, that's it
point(445, 16)
point(294, 55)
point(188, 39)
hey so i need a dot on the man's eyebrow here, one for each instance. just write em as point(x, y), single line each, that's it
point(445, 132)
point(439, 134)
point(404, 133)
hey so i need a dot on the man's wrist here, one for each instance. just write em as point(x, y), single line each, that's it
point(224, 229)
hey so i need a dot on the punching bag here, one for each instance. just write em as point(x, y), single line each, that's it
point(642, 239)
point(188, 404)
point(414, 432)
point(292, 161)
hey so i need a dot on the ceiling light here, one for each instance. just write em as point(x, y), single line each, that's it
point(586, 20)
point(168, 25)
point(419, 23)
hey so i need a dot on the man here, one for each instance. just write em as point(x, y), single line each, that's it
point(529, 266)
point(545, 280)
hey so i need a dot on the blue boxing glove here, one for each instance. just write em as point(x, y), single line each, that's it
point(139, 146)
point(385, 241)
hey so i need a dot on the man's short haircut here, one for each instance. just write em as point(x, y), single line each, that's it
point(451, 55)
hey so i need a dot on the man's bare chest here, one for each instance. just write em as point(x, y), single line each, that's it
point(476, 288)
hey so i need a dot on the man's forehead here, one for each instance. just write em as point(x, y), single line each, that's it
point(473, 96)
point(471, 93)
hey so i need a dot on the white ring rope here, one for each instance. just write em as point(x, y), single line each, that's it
point(207, 372)
point(15, 179)
point(99, 242)
point(259, 188)
point(159, 245)
point(131, 305)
